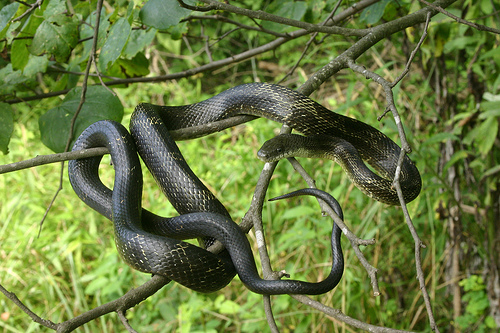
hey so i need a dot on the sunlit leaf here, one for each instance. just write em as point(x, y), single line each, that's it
point(20, 53)
point(35, 65)
point(162, 14)
point(57, 37)
point(6, 14)
point(137, 41)
point(54, 7)
point(117, 38)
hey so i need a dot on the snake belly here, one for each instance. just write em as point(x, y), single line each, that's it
point(306, 116)
point(189, 265)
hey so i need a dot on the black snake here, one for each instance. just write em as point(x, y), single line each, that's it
point(187, 264)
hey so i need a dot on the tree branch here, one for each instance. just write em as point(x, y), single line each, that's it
point(52, 158)
point(309, 27)
point(212, 65)
point(460, 20)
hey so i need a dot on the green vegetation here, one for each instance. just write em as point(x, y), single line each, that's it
point(449, 104)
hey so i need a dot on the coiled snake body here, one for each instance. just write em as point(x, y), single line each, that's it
point(139, 233)
point(306, 116)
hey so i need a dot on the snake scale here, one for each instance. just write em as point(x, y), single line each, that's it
point(141, 235)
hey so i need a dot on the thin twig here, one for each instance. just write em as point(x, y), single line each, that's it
point(355, 241)
point(238, 24)
point(413, 53)
point(309, 42)
point(405, 148)
point(53, 158)
point(337, 314)
point(31, 8)
point(80, 105)
point(124, 320)
point(309, 27)
point(418, 256)
point(34, 316)
point(460, 20)
point(210, 66)
point(123, 303)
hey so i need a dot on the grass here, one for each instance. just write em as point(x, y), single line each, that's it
point(73, 265)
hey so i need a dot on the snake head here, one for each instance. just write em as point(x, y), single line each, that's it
point(294, 145)
point(282, 146)
point(272, 150)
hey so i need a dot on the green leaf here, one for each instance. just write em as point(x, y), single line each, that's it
point(36, 65)
point(11, 33)
point(87, 30)
point(10, 79)
point(20, 53)
point(137, 41)
point(55, 123)
point(489, 128)
point(229, 307)
point(288, 9)
point(6, 14)
point(298, 211)
point(372, 14)
point(6, 126)
point(117, 38)
point(477, 306)
point(490, 322)
point(161, 14)
point(491, 171)
point(440, 137)
point(491, 109)
point(459, 155)
point(472, 283)
point(138, 66)
point(459, 43)
point(57, 37)
point(483, 135)
point(54, 7)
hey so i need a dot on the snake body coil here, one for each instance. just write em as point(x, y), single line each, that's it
point(144, 251)
point(201, 213)
point(306, 116)
point(150, 251)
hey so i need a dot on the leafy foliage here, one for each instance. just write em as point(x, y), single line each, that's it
point(55, 124)
point(475, 316)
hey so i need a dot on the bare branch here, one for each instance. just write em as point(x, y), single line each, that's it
point(309, 42)
point(53, 158)
point(213, 65)
point(389, 99)
point(125, 302)
point(413, 53)
point(337, 314)
point(460, 20)
point(357, 49)
point(31, 8)
point(353, 239)
point(236, 23)
point(124, 320)
point(261, 15)
point(34, 316)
